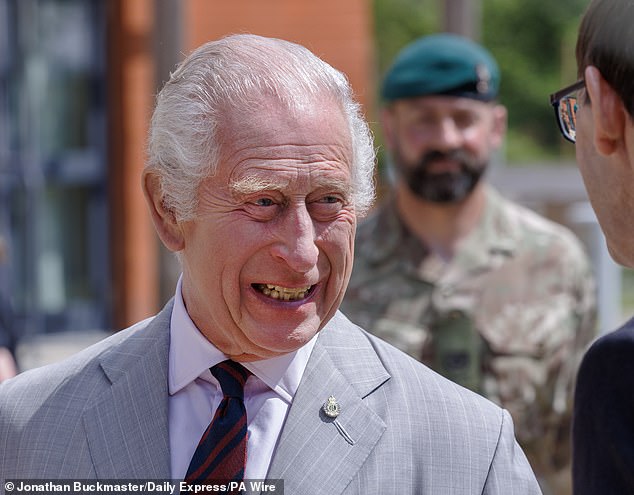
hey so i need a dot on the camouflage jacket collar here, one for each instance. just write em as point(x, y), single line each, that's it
point(494, 239)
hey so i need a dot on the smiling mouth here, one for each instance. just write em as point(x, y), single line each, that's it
point(283, 293)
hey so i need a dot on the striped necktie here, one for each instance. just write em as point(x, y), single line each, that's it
point(221, 454)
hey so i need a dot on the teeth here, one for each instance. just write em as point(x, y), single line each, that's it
point(283, 293)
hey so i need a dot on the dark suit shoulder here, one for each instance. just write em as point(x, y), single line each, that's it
point(603, 431)
point(623, 336)
point(611, 354)
point(606, 374)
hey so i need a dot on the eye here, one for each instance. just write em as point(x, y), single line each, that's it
point(262, 208)
point(464, 119)
point(264, 202)
point(326, 207)
point(330, 199)
point(427, 119)
point(423, 122)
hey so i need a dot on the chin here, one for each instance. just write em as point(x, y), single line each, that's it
point(624, 257)
point(282, 341)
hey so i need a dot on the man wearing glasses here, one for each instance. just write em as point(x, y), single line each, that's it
point(597, 113)
point(487, 293)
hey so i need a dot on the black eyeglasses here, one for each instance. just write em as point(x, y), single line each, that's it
point(564, 102)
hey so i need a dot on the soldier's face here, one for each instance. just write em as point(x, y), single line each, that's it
point(441, 145)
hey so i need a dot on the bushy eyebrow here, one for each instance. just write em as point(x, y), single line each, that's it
point(253, 185)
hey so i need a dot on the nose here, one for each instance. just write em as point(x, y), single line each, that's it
point(296, 239)
point(449, 136)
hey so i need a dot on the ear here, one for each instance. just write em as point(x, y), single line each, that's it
point(165, 223)
point(500, 121)
point(608, 112)
point(388, 123)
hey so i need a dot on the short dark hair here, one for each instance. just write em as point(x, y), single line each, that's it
point(606, 41)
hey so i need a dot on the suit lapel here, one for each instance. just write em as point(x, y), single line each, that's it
point(318, 454)
point(127, 428)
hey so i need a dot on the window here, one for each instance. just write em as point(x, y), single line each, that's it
point(53, 175)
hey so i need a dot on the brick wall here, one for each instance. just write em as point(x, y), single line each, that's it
point(338, 31)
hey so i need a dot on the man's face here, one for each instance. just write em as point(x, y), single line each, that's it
point(607, 177)
point(268, 257)
point(441, 145)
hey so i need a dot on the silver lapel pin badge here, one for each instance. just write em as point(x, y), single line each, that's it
point(331, 407)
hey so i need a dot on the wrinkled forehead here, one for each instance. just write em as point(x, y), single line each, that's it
point(293, 105)
point(270, 123)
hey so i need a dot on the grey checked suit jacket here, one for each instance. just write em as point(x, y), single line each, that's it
point(402, 428)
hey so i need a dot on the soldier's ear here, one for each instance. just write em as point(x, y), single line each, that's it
point(388, 123)
point(498, 129)
point(167, 226)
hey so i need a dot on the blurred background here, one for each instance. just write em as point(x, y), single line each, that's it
point(77, 82)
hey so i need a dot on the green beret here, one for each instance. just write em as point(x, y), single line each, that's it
point(443, 64)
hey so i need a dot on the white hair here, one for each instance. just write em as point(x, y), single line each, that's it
point(227, 75)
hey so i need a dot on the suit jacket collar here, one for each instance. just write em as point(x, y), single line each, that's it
point(494, 239)
point(127, 428)
point(316, 453)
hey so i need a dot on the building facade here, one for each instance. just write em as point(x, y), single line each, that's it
point(77, 86)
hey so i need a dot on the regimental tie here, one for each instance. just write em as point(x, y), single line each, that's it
point(221, 454)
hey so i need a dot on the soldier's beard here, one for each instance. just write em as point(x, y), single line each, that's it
point(443, 187)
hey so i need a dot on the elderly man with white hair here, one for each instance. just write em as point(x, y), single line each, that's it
point(259, 165)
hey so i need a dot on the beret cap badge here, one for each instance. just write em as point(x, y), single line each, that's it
point(484, 76)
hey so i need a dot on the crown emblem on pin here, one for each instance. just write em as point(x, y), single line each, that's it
point(331, 407)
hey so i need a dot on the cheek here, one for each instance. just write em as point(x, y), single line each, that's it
point(409, 146)
point(593, 171)
point(342, 230)
point(478, 141)
point(217, 252)
point(338, 244)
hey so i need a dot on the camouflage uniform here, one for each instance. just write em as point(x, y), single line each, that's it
point(509, 316)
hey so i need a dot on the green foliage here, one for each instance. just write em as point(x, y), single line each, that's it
point(397, 22)
point(532, 41)
point(627, 301)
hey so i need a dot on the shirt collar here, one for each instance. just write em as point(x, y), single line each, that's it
point(191, 355)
